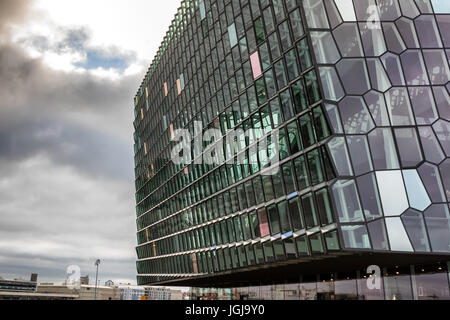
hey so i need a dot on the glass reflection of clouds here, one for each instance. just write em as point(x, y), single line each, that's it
point(417, 195)
point(392, 192)
point(441, 6)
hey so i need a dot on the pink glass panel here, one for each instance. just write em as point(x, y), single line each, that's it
point(263, 223)
point(256, 65)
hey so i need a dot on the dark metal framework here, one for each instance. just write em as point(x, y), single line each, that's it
point(349, 96)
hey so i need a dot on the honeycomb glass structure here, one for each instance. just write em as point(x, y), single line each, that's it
point(359, 95)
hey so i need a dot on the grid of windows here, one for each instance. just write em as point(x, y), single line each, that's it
point(361, 106)
point(240, 65)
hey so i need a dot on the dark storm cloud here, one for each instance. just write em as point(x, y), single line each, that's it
point(35, 109)
point(29, 84)
point(12, 11)
point(83, 148)
point(66, 166)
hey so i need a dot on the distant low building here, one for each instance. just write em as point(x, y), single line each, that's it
point(27, 290)
point(176, 295)
point(132, 293)
point(162, 293)
point(17, 286)
point(84, 292)
point(35, 296)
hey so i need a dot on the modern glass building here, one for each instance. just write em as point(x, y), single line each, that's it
point(358, 94)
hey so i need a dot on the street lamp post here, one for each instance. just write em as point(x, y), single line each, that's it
point(97, 263)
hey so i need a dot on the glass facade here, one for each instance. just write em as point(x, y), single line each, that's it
point(421, 282)
point(358, 93)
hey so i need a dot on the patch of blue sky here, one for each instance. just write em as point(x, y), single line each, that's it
point(96, 59)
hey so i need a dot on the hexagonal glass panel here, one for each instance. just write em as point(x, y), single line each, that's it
point(347, 201)
point(392, 192)
point(398, 237)
point(354, 75)
point(437, 218)
point(355, 116)
point(417, 194)
point(415, 227)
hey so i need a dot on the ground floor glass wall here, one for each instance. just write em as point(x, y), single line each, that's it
point(419, 282)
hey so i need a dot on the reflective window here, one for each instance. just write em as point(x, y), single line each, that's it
point(331, 84)
point(339, 153)
point(378, 235)
point(347, 201)
point(296, 24)
point(432, 181)
point(442, 129)
point(438, 68)
point(431, 282)
point(354, 75)
point(315, 167)
point(356, 237)
point(259, 31)
point(360, 154)
point(268, 252)
point(417, 194)
point(428, 32)
point(296, 214)
point(274, 220)
point(324, 207)
point(263, 223)
point(302, 246)
point(309, 211)
point(397, 284)
point(415, 227)
point(315, 14)
point(324, 47)
point(392, 192)
point(285, 223)
point(370, 198)
point(332, 241)
point(316, 244)
point(289, 178)
point(347, 38)
point(408, 147)
point(312, 87)
point(437, 218)
point(301, 173)
point(278, 249)
point(232, 35)
point(355, 116)
point(398, 237)
point(382, 145)
point(346, 9)
point(399, 107)
point(378, 76)
point(290, 249)
point(299, 96)
point(304, 54)
point(415, 72)
point(250, 255)
point(441, 6)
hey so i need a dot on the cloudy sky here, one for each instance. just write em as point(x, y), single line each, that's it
point(68, 73)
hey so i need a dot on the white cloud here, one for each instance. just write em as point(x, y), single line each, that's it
point(66, 192)
point(134, 25)
point(63, 216)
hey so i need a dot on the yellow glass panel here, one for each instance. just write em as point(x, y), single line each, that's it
point(179, 86)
